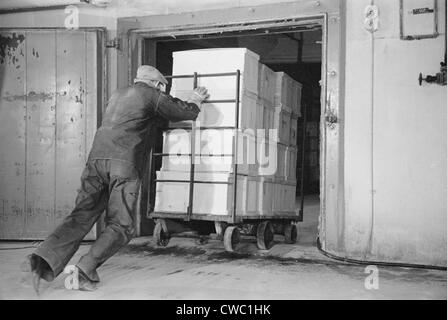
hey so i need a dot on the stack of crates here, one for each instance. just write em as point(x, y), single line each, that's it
point(215, 199)
point(268, 100)
point(281, 105)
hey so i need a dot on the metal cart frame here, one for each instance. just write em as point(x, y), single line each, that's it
point(226, 225)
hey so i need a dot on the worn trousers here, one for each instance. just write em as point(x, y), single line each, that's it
point(106, 185)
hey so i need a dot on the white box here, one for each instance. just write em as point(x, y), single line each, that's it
point(210, 61)
point(267, 84)
point(209, 142)
point(288, 93)
point(224, 114)
point(282, 124)
point(212, 199)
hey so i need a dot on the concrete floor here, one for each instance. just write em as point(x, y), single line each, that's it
point(186, 270)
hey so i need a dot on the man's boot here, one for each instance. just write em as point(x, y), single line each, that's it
point(39, 269)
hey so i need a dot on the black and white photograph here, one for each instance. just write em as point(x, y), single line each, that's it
point(223, 154)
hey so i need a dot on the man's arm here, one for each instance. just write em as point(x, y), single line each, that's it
point(174, 109)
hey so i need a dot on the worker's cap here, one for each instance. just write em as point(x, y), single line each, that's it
point(147, 73)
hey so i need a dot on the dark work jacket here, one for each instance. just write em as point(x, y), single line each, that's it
point(126, 123)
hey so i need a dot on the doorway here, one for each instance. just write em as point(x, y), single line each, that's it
point(295, 50)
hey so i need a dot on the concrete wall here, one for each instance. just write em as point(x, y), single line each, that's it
point(395, 151)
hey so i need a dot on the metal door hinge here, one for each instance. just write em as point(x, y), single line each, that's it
point(114, 43)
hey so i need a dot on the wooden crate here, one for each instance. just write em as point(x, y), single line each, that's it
point(281, 122)
point(287, 93)
point(266, 188)
point(212, 199)
point(284, 200)
point(271, 159)
point(293, 137)
point(291, 163)
point(267, 85)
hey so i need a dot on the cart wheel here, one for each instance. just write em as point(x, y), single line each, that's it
point(265, 235)
point(160, 236)
point(290, 234)
point(231, 238)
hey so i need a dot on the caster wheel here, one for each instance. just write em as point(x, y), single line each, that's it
point(231, 238)
point(265, 235)
point(160, 236)
point(290, 234)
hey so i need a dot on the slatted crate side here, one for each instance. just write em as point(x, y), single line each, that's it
point(284, 198)
point(282, 91)
point(265, 192)
point(288, 93)
point(267, 85)
point(260, 115)
point(291, 163)
point(282, 119)
point(268, 121)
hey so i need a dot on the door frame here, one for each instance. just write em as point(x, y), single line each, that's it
point(330, 15)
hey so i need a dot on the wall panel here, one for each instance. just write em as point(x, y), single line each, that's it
point(12, 133)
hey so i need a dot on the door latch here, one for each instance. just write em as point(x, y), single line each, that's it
point(439, 78)
point(330, 116)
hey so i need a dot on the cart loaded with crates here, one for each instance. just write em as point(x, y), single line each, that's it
point(205, 184)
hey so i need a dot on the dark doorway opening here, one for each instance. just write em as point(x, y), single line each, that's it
point(295, 52)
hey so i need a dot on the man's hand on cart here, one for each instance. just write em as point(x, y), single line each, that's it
point(198, 95)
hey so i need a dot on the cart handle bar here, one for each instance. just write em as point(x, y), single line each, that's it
point(194, 181)
point(202, 128)
point(206, 75)
point(190, 155)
